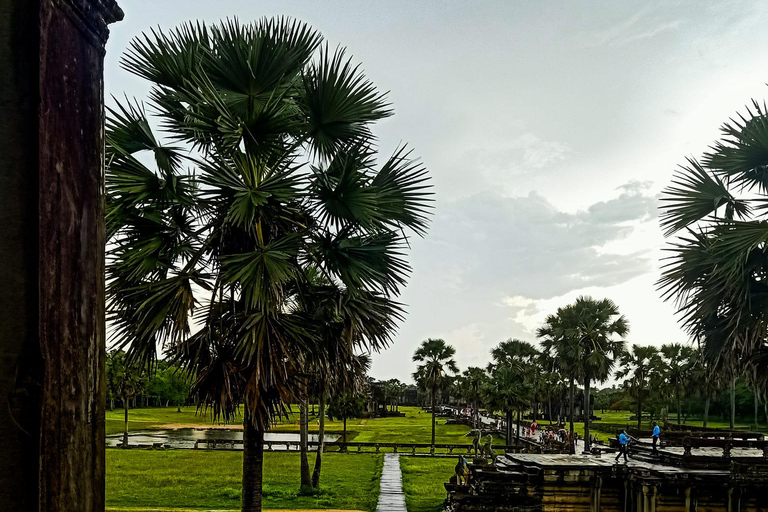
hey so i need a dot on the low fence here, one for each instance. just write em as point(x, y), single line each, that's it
point(360, 447)
point(417, 449)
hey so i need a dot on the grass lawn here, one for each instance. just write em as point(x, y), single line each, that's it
point(200, 480)
point(415, 427)
point(153, 417)
point(423, 480)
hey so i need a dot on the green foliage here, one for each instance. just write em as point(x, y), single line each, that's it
point(124, 380)
point(437, 364)
point(607, 398)
point(513, 376)
point(169, 384)
point(717, 268)
point(263, 218)
point(345, 406)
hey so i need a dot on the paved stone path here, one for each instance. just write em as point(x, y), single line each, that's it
point(391, 497)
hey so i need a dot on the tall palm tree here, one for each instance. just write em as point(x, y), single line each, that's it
point(270, 172)
point(678, 362)
point(472, 381)
point(716, 271)
point(590, 334)
point(437, 364)
point(557, 340)
point(638, 367)
point(126, 381)
point(349, 393)
point(505, 390)
point(521, 357)
point(600, 330)
point(551, 379)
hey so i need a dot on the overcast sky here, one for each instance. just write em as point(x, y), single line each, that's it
point(549, 131)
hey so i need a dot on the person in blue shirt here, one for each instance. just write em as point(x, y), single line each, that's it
point(623, 445)
point(655, 435)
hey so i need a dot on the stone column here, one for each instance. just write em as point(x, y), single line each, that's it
point(52, 253)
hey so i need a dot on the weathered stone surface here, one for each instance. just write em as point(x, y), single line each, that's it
point(548, 483)
point(51, 253)
point(391, 496)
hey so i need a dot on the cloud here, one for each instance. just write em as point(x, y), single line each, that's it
point(641, 25)
point(538, 153)
point(631, 205)
point(490, 246)
point(494, 162)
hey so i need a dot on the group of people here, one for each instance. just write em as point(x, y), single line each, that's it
point(625, 439)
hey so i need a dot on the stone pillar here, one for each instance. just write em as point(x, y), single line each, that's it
point(52, 253)
point(646, 499)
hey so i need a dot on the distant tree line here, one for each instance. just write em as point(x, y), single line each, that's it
point(129, 386)
point(581, 345)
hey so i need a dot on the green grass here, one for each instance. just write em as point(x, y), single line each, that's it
point(153, 417)
point(415, 427)
point(200, 480)
point(423, 480)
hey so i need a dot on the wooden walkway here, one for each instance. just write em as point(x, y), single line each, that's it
point(391, 497)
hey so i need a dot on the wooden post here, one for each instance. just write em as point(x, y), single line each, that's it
point(52, 389)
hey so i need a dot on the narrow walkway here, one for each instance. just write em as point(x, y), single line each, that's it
point(391, 497)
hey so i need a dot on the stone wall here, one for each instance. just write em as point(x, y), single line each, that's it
point(52, 253)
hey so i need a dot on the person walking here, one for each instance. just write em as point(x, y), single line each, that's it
point(623, 445)
point(655, 436)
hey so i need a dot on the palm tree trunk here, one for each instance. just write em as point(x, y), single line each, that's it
point(550, 409)
point(706, 410)
point(344, 433)
point(586, 416)
point(125, 429)
point(320, 441)
point(253, 465)
point(434, 406)
point(639, 409)
point(517, 434)
point(677, 398)
point(733, 403)
point(306, 477)
point(757, 406)
point(508, 433)
point(571, 411)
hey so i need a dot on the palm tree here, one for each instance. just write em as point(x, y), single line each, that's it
point(127, 381)
point(436, 358)
point(563, 347)
point(678, 361)
point(586, 333)
point(597, 325)
point(638, 367)
point(472, 381)
point(717, 266)
point(335, 315)
point(551, 379)
point(505, 390)
point(521, 357)
point(271, 172)
point(349, 400)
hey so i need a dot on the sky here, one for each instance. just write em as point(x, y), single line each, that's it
point(549, 132)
